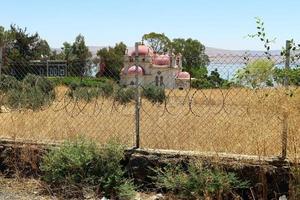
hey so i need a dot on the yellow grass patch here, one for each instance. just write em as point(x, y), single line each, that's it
point(232, 120)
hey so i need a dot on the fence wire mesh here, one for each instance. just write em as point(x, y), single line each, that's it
point(238, 104)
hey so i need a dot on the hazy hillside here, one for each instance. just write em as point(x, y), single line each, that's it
point(211, 51)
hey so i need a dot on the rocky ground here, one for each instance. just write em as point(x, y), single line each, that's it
point(32, 189)
point(21, 189)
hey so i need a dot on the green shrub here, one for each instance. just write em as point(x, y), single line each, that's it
point(38, 82)
point(85, 93)
point(8, 83)
point(154, 94)
point(295, 183)
point(31, 93)
point(83, 81)
point(198, 182)
point(124, 95)
point(126, 190)
point(107, 88)
point(81, 163)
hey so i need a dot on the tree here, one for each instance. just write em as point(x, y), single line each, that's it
point(81, 53)
point(21, 50)
point(193, 53)
point(5, 38)
point(111, 60)
point(291, 75)
point(157, 41)
point(257, 73)
point(42, 50)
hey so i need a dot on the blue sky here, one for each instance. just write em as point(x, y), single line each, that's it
point(216, 23)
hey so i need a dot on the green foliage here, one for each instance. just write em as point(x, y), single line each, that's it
point(257, 73)
point(126, 191)
point(202, 80)
point(154, 94)
point(86, 88)
point(159, 42)
point(261, 34)
point(292, 75)
point(84, 93)
point(9, 83)
point(39, 82)
point(6, 36)
point(84, 81)
point(80, 54)
point(31, 93)
point(81, 163)
point(192, 51)
point(198, 182)
point(124, 95)
point(22, 48)
point(111, 61)
point(295, 183)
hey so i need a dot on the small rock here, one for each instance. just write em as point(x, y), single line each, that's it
point(283, 197)
point(104, 198)
point(158, 196)
point(137, 196)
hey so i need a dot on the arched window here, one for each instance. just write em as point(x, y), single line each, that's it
point(161, 81)
point(156, 80)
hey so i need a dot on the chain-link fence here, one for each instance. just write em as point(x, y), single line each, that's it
point(242, 104)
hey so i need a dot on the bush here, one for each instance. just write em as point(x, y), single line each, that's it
point(154, 94)
point(295, 183)
point(31, 93)
point(107, 88)
point(8, 83)
point(80, 81)
point(38, 82)
point(81, 163)
point(84, 93)
point(198, 182)
point(125, 95)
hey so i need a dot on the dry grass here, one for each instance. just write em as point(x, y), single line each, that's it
point(230, 120)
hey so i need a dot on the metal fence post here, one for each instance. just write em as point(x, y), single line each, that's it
point(137, 98)
point(285, 116)
point(1, 50)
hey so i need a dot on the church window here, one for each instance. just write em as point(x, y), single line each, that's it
point(156, 80)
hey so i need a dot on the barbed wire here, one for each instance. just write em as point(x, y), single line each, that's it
point(185, 118)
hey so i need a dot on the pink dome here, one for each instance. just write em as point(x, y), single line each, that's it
point(161, 60)
point(183, 75)
point(132, 70)
point(143, 50)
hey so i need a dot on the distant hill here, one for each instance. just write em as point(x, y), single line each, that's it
point(210, 51)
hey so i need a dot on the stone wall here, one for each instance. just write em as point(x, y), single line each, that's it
point(268, 176)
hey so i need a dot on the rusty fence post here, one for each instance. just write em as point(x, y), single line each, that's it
point(284, 137)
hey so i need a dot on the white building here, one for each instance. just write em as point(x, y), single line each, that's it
point(153, 69)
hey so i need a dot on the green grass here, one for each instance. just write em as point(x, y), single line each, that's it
point(85, 81)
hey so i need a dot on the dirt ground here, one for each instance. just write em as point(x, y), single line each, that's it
point(21, 189)
point(32, 189)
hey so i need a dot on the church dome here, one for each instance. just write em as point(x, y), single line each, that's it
point(143, 50)
point(133, 70)
point(161, 60)
point(183, 75)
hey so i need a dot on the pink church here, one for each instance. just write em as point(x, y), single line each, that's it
point(163, 70)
